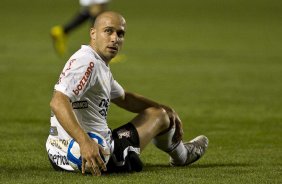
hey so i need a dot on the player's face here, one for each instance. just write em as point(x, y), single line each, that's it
point(108, 37)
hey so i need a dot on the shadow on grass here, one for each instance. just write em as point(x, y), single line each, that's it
point(214, 165)
point(150, 167)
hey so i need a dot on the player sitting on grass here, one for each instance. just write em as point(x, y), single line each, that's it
point(87, 80)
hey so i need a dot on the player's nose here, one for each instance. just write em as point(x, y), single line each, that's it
point(114, 37)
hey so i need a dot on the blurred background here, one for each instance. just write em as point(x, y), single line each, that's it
point(218, 63)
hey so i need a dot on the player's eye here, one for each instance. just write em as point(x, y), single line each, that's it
point(120, 34)
point(109, 31)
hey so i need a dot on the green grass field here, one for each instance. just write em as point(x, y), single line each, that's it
point(218, 63)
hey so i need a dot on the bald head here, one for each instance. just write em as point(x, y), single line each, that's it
point(109, 16)
point(107, 34)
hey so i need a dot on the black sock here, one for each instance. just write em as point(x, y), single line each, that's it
point(77, 20)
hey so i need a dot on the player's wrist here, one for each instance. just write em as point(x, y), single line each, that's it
point(82, 138)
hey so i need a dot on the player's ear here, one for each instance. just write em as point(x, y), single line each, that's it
point(93, 33)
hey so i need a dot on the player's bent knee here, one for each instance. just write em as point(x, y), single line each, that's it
point(161, 115)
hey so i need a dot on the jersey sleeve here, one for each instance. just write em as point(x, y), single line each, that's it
point(77, 76)
point(116, 89)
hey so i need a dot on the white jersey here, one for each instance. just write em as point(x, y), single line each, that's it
point(92, 2)
point(89, 84)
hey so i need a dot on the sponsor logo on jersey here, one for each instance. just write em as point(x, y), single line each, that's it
point(84, 79)
point(80, 105)
point(59, 143)
point(104, 104)
point(64, 72)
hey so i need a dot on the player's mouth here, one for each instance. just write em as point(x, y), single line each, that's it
point(113, 48)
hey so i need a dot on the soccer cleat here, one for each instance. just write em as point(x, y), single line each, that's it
point(59, 40)
point(196, 148)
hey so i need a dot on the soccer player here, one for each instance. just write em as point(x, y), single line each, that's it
point(82, 96)
point(90, 10)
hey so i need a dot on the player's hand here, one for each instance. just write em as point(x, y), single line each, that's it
point(178, 135)
point(91, 159)
point(177, 123)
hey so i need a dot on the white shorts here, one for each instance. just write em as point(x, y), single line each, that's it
point(91, 2)
point(124, 140)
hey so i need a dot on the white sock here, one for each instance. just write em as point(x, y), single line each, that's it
point(177, 151)
point(179, 154)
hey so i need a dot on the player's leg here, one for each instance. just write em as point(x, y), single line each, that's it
point(77, 20)
point(150, 123)
point(133, 136)
point(89, 12)
point(154, 124)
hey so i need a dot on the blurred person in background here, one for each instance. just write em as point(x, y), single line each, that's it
point(90, 9)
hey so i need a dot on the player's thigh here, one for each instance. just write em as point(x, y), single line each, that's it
point(150, 123)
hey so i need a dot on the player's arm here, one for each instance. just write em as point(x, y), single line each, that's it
point(61, 107)
point(137, 103)
point(134, 102)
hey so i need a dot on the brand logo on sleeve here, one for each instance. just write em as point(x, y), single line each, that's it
point(80, 105)
point(84, 79)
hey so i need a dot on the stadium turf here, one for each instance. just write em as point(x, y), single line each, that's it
point(218, 63)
